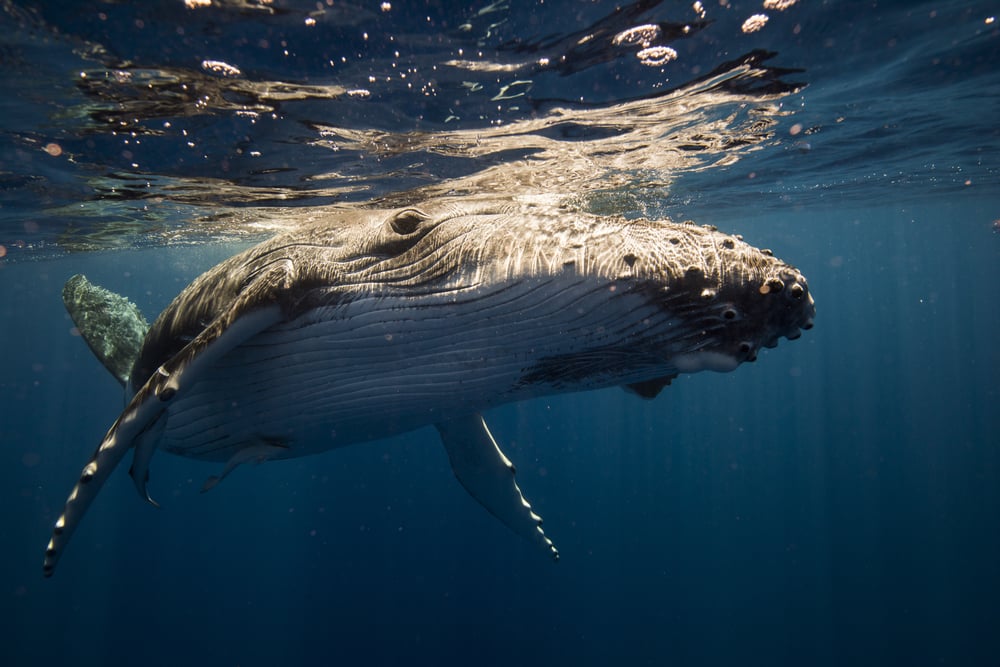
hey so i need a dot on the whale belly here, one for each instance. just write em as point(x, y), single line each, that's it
point(379, 366)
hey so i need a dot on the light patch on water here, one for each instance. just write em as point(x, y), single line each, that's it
point(220, 68)
point(754, 23)
point(642, 35)
point(512, 90)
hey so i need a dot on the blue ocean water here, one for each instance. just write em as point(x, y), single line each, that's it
point(838, 502)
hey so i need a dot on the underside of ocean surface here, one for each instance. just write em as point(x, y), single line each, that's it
point(835, 503)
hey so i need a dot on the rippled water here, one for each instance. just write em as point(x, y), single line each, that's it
point(836, 503)
point(153, 123)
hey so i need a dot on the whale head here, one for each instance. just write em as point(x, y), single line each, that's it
point(636, 293)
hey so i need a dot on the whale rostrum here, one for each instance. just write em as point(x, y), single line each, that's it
point(369, 323)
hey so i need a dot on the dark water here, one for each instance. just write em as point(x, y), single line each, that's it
point(837, 502)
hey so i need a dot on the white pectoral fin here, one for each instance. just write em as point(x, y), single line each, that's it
point(146, 415)
point(488, 475)
point(140, 413)
point(217, 340)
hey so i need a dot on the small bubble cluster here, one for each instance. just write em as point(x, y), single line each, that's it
point(656, 55)
point(643, 36)
point(754, 23)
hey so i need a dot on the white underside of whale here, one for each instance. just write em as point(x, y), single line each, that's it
point(380, 366)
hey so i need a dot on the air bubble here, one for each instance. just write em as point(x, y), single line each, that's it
point(656, 55)
point(642, 35)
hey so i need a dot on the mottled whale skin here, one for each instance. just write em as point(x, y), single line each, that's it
point(370, 323)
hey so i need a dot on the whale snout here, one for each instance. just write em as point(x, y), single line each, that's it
point(760, 314)
point(792, 307)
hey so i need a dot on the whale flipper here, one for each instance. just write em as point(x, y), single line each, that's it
point(143, 412)
point(488, 475)
point(258, 451)
point(650, 388)
point(110, 324)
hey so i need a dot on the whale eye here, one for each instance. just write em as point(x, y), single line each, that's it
point(729, 314)
point(405, 222)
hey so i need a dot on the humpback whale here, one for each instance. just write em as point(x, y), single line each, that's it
point(368, 323)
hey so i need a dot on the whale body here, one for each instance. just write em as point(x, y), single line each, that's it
point(369, 323)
